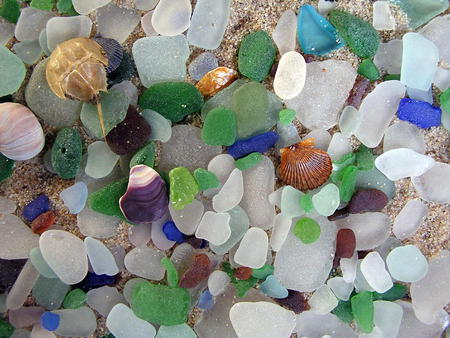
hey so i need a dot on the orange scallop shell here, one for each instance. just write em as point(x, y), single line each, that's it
point(304, 167)
point(216, 80)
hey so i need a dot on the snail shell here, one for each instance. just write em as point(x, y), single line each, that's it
point(77, 70)
point(146, 198)
point(21, 135)
point(303, 166)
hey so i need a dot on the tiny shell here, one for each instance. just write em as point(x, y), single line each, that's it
point(113, 51)
point(146, 199)
point(21, 135)
point(303, 166)
point(216, 80)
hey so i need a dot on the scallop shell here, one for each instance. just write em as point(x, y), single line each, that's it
point(146, 198)
point(77, 70)
point(303, 166)
point(114, 52)
point(21, 135)
point(216, 80)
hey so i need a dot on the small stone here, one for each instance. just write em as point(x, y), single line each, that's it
point(420, 12)
point(368, 69)
point(368, 179)
point(50, 321)
point(172, 233)
point(206, 179)
point(230, 195)
point(252, 251)
point(202, 64)
point(159, 239)
point(176, 331)
point(363, 311)
point(76, 322)
point(433, 185)
point(261, 319)
point(340, 287)
point(6, 168)
point(65, 7)
point(359, 35)
point(243, 273)
point(98, 202)
point(101, 160)
point(74, 299)
point(160, 127)
point(323, 300)
point(420, 95)
point(367, 200)
point(40, 264)
point(43, 222)
point(122, 322)
point(348, 184)
point(160, 304)
point(307, 230)
point(407, 264)
point(183, 187)
point(422, 114)
point(75, 197)
point(273, 288)
point(25, 316)
point(145, 5)
point(53, 244)
point(409, 219)
point(116, 23)
point(31, 22)
point(295, 301)
point(7, 206)
point(315, 325)
point(345, 243)
point(49, 292)
point(325, 7)
point(435, 31)
point(382, 102)
point(382, 16)
point(256, 55)
point(404, 135)
point(60, 29)
point(387, 317)
point(374, 271)
point(214, 227)
point(10, 10)
point(218, 282)
point(306, 203)
point(103, 299)
point(188, 218)
point(285, 32)
point(348, 121)
point(198, 271)
point(161, 58)
point(146, 24)
point(145, 262)
point(389, 56)
point(286, 116)
point(316, 35)
point(260, 143)
point(338, 147)
point(66, 153)
point(6, 31)
point(12, 71)
point(219, 127)
point(101, 259)
point(28, 51)
point(36, 207)
point(248, 161)
point(171, 18)
point(326, 201)
point(86, 7)
point(290, 76)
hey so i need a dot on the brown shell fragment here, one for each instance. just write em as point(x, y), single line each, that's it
point(303, 166)
point(216, 80)
point(77, 70)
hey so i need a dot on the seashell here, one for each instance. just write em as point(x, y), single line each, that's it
point(146, 199)
point(21, 135)
point(303, 166)
point(76, 69)
point(113, 51)
point(216, 80)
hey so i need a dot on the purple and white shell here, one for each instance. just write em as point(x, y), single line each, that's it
point(146, 198)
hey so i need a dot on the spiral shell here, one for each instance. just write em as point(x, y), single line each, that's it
point(303, 166)
point(77, 70)
point(21, 135)
point(146, 198)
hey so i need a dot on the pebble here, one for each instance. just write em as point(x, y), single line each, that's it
point(13, 72)
point(117, 23)
point(375, 273)
point(359, 35)
point(403, 134)
point(286, 116)
point(208, 23)
point(183, 187)
point(434, 31)
point(382, 102)
point(101, 160)
point(417, 48)
point(85, 7)
point(17, 239)
point(176, 331)
point(368, 179)
point(103, 299)
point(273, 288)
point(43, 42)
point(205, 179)
point(290, 76)
point(420, 95)
point(53, 245)
point(114, 106)
point(172, 233)
point(223, 98)
point(340, 287)
point(219, 127)
point(45, 104)
point(307, 230)
point(371, 228)
point(218, 282)
point(76, 322)
point(40, 264)
point(259, 143)
point(145, 5)
point(388, 317)
point(261, 319)
point(368, 69)
point(67, 153)
point(383, 20)
point(188, 218)
point(285, 32)
point(230, 195)
point(122, 322)
point(145, 262)
point(50, 293)
point(25, 316)
point(345, 243)
point(202, 64)
point(389, 56)
point(339, 146)
point(348, 121)
point(146, 155)
point(94, 224)
point(19, 292)
point(258, 185)
point(101, 259)
point(367, 200)
point(6, 31)
point(311, 324)
point(420, 113)
point(403, 162)
point(214, 227)
point(256, 55)
point(323, 300)
point(252, 250)
point(296, 273)
point(140, 235)
point(419, 13)
point(407, 264)
point(326, 201)
point(74, 299)
point(160, 127)
point(431, 294)
point(60, 29)
point(161, 58)
point(146, 24)
point(198, 271)
point(36, 207)
point(363, 310)
point(280, 231)
point(93, 281)
point(75, 197)
point(288, 135)
point(239, 223)
point(295, 301)
point(28, 51)
point(409, 219)
point(50, 321)
point(171, 18)
point(319, 104)
point(316, 35)
point(434, 184)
